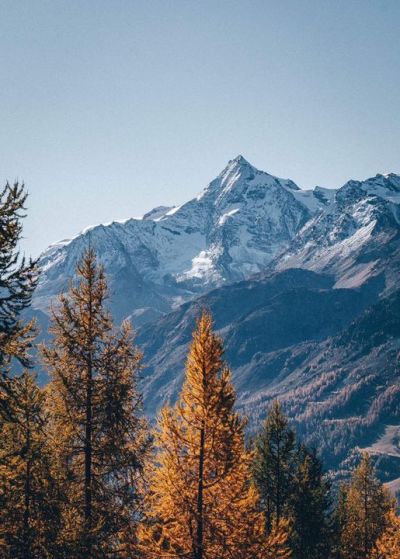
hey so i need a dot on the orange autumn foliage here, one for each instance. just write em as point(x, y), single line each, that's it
point(201, 504)
point(388, 545)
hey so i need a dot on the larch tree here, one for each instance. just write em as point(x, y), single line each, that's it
point(365, 512)
point(274, 464)
point(388, 544)
point(200, 503)
point(29, 515)
point(98, 433)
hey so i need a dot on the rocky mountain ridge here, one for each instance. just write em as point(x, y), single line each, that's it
point(243, 223)
point(233, 229)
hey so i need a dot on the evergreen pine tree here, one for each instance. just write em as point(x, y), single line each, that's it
point(274, 465)
point(309, 507)
point(365, 512)
point(29, 517)
point(17, 279)
point(200, 503)
point(17, 282)
point(99, 436)
point(339, 520)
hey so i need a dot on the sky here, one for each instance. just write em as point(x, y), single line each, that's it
point(111, 107)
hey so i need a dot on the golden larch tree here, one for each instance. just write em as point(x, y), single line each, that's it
point(364, 512)
point(98, 434)
point(388, 545)
point(201, 504)
point(29, 512)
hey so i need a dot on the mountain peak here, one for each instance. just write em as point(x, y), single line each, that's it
point(238, 163)
point(240, 160)
point(236, 167)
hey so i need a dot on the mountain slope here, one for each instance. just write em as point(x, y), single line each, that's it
point(327, 354)
point(255, 318)
point(243, 223)
point(356, 237)
point(233, 229)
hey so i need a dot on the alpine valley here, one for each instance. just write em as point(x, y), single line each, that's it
point(303, 285)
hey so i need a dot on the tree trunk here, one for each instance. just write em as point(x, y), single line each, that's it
point(88, 432)
point(26, 535)
point(88, 462)
point(366, 547)
point(27, 489)
point(200, 527)
point(278, 483)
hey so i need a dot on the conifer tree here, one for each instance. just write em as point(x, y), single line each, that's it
point(365, 512)
point(309, 507)
point(339, 520)
point(17, 279)
point(200, 503)
point(99, 436)
point(28, 504)
point(274, 464)
point(388, 544)
point(17, 282)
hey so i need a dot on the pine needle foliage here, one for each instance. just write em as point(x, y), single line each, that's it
point(98, 433)
point(274, 465)
point(338, 520)
point(18, 278)
point(309, 507)
point(201, 504)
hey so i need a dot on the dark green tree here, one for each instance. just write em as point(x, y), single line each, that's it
point(18, 278)
point(273, 467)
point(309, 507)
point(339, 520)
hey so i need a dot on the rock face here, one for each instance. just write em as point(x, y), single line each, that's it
point(233, 229)
point(244, 222)
point(303, 286)
point(355, 237)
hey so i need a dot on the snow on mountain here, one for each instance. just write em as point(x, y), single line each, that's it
point(356, 236)
point(158, 212)
point(244, 222)
point(234, 228)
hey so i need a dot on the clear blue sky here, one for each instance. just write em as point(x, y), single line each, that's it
point(109, 108)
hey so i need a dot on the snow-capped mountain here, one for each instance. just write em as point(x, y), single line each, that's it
point(244, 222)
point(238, 224)
point(356, 237)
